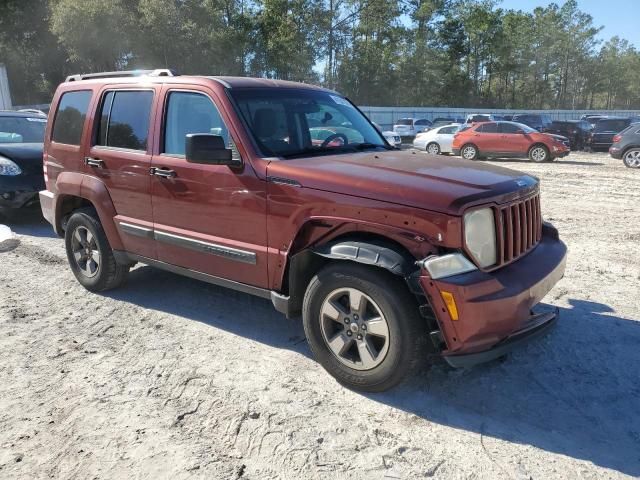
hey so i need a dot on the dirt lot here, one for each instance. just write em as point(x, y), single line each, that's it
point(172, 378)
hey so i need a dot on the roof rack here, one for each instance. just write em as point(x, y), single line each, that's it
point(158, 72)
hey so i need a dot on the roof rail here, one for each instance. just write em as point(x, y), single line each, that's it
point(158, 72)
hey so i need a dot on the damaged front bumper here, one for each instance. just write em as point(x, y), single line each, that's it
point(494, 309)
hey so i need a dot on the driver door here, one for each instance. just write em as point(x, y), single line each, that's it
point(514, 140)
point(207, 218)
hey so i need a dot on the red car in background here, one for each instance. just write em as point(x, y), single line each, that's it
point(508, 139)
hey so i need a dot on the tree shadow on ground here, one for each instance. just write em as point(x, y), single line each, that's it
point(574, 392)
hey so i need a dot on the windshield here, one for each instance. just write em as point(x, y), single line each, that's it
point(22, 129)
point(298, 122)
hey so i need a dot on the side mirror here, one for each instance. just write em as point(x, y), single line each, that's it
point(207, 149)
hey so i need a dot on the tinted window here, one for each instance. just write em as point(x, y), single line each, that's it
point(488, 128)
point(510, 128)
point(448, 130)
point(69, 120)
point(190, 113)
point(611, 125)
point(22, 129)
point(405, 121)
point(124, 121)
point(423, 122)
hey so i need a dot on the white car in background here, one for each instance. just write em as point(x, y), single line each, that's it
point(438, 140)
point(391, 137)
point(410, 127)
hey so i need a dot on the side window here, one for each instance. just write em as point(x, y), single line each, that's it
point(186, 113)
point(509, 128)
point(69, 120)
point(447, 130)
point(488, 128)
point(124, 119)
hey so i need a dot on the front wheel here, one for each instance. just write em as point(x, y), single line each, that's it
point(539, 154)
point(89, 253)
point(363, 326)
point(632, 158)
point(433, 148)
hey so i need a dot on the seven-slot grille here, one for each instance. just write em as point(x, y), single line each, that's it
point(519, 229)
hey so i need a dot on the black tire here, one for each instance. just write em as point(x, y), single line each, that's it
point(435, 148)
point(108, 273)
point(406, 330)
point(539, 153)
point(469, 152)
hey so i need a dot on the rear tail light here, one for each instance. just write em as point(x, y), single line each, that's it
point(617, 138)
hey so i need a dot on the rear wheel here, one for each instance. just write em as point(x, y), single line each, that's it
point(469, 152)
point(90, 256)
point(363, 326)
point(631, 158)
point(433, 148)
point(539, 153)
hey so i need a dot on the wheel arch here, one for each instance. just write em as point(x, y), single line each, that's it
point(363, 248)
point(86, 191)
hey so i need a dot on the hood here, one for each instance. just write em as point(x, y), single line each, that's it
point(436, 183)
point(28, 156)
point(560, 138)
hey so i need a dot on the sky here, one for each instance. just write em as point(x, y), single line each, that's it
point(618, 17)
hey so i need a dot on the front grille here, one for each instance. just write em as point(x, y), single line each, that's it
point(519, 229)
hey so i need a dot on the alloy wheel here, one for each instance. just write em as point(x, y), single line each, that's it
point(539, 154)
point(354, 328)
point(632, 158)
point(433, 148)
point(468, 153)
point(85, 251)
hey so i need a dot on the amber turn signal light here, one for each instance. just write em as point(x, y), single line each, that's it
point(451, 304)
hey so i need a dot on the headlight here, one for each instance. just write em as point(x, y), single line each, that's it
point(447, 265)
point(8, 168)
point(480, 236)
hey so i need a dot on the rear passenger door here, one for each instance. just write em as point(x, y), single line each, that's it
point(207, 218)
point(120, 157)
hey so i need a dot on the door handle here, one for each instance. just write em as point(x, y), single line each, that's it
point(162, 172)
point(93, 162)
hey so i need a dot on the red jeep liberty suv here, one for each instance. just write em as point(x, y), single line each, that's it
point(287, 191)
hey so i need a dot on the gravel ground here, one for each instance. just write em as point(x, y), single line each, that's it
point(172, 378)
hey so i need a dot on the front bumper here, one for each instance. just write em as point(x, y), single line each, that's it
point(540, 324)
point(21, 190)
point(495, 308)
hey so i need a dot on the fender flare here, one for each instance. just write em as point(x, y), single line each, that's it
point(76, 184)
point(304, 265)
point(374, 253)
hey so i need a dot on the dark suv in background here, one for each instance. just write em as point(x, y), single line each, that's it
point(577, 131)
point(601, 137)
point(541, 122)
point(626, 146)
